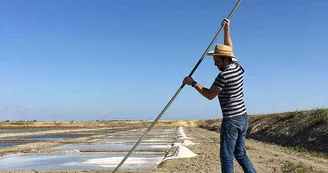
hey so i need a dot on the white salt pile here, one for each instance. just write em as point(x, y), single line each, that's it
point(181, 134)
point(181, 152)
point(187, 143)
point(184, 143)
point(114, 161)
point(71, 151)
point(160, 146)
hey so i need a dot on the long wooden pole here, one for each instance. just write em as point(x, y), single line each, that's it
point(179, 90)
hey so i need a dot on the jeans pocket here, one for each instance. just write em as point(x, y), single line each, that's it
point(232, 131)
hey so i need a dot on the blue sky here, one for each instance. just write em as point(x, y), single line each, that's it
point(122, 59)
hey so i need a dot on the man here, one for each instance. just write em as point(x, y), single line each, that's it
point(228, 86)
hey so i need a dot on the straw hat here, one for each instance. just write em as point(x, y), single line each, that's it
point(223, 50)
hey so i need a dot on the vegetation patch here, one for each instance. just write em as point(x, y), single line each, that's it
point(318, 116)
point(304, 150)
point(290, 167)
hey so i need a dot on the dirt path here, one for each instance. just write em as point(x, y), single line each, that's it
point(265, 157)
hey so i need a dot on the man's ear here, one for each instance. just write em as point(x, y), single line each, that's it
point(225, 60)
point(228, 60)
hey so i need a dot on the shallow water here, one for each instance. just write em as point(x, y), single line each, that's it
point(78, 161)
point(172, 137)
point(31, 130)
point(54, 136)
point(9, 144)
point(112, 146)
point(116, 141)
point(159, 139)
point(122, 141)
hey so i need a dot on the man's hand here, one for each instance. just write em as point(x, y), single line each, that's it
point(225, 23)
point(188, 80)
point(207, 93)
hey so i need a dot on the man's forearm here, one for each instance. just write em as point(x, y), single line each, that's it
point(227, 37)
point(204, 91)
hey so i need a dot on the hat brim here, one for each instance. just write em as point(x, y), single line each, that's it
point(212, 53)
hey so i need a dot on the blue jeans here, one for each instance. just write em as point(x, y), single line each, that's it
point(232, 140)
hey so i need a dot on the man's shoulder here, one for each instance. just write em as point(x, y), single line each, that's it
point(237, 63)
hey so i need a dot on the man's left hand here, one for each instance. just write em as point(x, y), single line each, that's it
point(188, 80)
point(225, 23)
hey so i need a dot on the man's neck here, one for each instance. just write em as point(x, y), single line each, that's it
point(228, 65)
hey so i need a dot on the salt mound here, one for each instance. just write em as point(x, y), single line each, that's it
point(187, 143)
point(160, 146)
point(182, 134)
point(72, 164)
point(181, 152)
point(72, 151)
point(114, 161)
point(184, 143)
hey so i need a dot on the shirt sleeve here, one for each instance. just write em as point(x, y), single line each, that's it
point(219, 82)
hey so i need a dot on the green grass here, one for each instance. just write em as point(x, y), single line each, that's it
point(318, 116)
point(290, 167)
point(315, 115)
point(304, 150)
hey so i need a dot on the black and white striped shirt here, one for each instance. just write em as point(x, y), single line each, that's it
point(230, 83)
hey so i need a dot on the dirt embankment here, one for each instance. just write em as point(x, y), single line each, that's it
point(300, 129)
